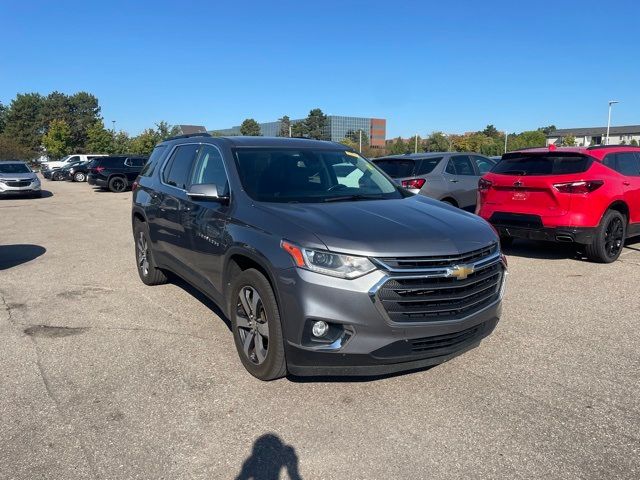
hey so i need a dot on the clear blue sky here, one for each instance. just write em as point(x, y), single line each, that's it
point(453, 66)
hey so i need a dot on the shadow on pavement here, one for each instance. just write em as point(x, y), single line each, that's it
point(268, 457)
point(198, 295)
point(44, 194)
point(14, 255)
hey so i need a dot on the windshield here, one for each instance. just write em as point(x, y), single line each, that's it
point(545, 164)
point(14, 168)
point(307, 175)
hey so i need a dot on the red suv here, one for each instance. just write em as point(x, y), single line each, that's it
point(588, 196)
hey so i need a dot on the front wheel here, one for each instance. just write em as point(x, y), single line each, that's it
point(255, 321)
point(608, 240)
point(117, 184)
point(79, 177)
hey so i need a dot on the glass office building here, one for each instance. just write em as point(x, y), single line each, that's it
point(336, 129)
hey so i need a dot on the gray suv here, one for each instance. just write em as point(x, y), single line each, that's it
point(322, 264)
point(448, 176)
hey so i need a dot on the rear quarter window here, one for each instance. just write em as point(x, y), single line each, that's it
point(536, 164)
point(397, 168)
point(153, 161)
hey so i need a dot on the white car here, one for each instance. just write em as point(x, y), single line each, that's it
point(69, 159)
point(16, 178)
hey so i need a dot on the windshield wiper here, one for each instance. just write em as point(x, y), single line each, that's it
point(344, 198)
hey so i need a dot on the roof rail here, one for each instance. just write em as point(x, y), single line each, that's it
point(597, 147)
point(188, 135)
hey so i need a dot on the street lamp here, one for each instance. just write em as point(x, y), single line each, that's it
point(611, 102)
point(113, 126)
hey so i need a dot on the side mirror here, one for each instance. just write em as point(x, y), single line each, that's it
point(206, 191)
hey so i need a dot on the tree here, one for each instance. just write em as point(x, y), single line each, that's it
point(356, 136)
point(285, 124)
point(3, 117)
point(350, 143)
point(144, 143)
point(437, 142)
point(164, 130)
point(548, 129)
point(315, 124)
point(569, 141)
point(634, 142)
point(12, 150)
point(411, 144)
point(57, 140)
point(85, 111)
point(121, 142)
point(398, 147)
point(250, 128)
point(491, 131)
point(299, 129)
point(99, 139)
point(22, 121)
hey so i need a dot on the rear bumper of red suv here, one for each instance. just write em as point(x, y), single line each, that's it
point(531, 227)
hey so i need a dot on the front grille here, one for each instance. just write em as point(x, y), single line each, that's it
point(449, 341)
point(436, 297)
point(408, 263)
point(20, 183)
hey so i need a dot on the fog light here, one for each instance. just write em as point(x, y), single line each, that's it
point(319, 328)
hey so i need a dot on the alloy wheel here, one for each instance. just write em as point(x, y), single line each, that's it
point(118, 184)
point(143, 254)
point(252, 325)
point(614, 237)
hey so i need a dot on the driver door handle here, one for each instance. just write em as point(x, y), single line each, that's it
point(454, 180)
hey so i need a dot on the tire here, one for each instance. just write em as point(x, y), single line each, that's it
point(609, 238)
point(262, 357)
point(55, 176)
point(79, 177)
point(505, 242)
point(117, 184)
point(449, 201)
point(149, 273)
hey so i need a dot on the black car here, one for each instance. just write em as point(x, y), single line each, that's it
point(63, 172)
point(116, 172)
point(78, 172)
point(322, 263)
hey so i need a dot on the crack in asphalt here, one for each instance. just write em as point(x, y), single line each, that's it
point(49, 389)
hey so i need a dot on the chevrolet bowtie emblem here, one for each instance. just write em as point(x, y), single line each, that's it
point(460, 272)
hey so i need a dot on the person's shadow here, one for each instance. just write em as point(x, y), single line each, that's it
point(268, 458)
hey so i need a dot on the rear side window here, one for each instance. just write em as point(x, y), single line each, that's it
point(483, 164)
point(626, 163)
point(397, 168)
point(542, 164)
point(136, 162)
point(461, 164)
point(150, 166)
point(427, 165)
point(176, 173)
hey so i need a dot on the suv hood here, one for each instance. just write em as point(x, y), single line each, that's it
point(413, 226)
point(18, 176)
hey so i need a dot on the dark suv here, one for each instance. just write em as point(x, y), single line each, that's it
point(116, 172)
point(320, 261)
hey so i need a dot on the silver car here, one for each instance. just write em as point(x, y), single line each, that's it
point(451, 177)
point(16, 178)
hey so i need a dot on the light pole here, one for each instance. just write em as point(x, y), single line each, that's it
point(506, 136)
point(113, 126)
point(611, 102)
point(416, 147)
point(360, 141)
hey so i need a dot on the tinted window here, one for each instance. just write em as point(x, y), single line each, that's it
point(150, 166)
point(210, 169)
point(307, 175)
point(136, 162)
point(13, 168)
point(462, 165)
point(627, 163)
point(75, 158)
point(110, 161)
point(397, 168)
point(427, 165)
point(542, 164)
point(484, 164)
point(451, 168)
point(176, 172)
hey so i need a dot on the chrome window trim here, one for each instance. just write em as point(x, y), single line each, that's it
point(174, 148)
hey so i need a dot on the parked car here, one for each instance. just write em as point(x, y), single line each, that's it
point(116, 172)
point(78, 172)
point(322, 264)
point(62, 173)
point(17, 178)
point(46, 168)
point(447, 176)
point(588, 196)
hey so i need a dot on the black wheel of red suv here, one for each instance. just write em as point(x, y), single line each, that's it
point(149, 273)
point(608, 240)
point(255, 321)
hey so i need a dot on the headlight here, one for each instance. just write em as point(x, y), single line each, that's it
point(328, 263)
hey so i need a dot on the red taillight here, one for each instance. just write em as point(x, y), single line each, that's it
point(134, 185)
point(484, 185)
point(416, 183)
point(98, 169)
point(578, 187)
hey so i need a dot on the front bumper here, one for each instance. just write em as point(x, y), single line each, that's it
point(372, 344)
point(31, 189)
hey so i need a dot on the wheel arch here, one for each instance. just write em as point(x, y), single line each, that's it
point(451, 200)
point(619, 206)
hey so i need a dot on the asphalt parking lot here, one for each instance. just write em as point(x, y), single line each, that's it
point(103, 377)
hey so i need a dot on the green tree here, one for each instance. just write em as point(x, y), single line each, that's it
point(634, 142)
point(57, 141)
point(144, 143)
point(85, 111)
point(3, 117)
point(411, 144)
point(491, 131)
point(285, 124)
point(569, 141)
point(99, 139)
point(315, 124)
point(299, 129)
point(164, 130)
point(355, 136)
point(548, 129)
point(398, 147)
point(22, 121)
point(437, 142)
point(12, 150)
point(250, 128)
point(121, 143)
point(350, 143)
